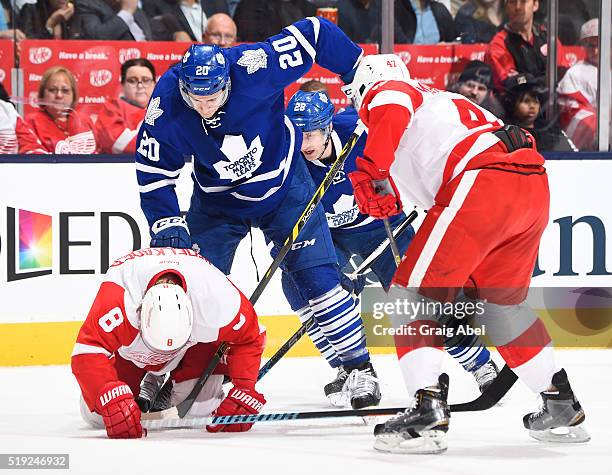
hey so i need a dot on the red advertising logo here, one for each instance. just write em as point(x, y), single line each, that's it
point(405, 56)
point(40, 55)
point(128, 53)
point(100, 77)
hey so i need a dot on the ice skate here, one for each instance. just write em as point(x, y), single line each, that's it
point(362, 387)
point(560, 415)
point(335, 390)
point(485, 375)
point(420, 429)
point(162, 400)
point(149, 387)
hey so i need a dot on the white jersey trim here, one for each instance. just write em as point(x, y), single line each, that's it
point(392, 97)
point(123, 140)
point(303, 41)
point(81, 349)
point(316, 25)
point(141, 167)
point(439, 229)
point(156, 185)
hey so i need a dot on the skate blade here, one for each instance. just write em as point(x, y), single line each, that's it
point(562, 435)
point(430, 442)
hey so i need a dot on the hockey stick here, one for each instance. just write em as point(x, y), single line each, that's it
point(168, 419)
point(394, 249)
point(370, 260)
point(378, 252)
point(183, 407)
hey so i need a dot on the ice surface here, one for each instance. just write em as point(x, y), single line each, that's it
point(39, 414)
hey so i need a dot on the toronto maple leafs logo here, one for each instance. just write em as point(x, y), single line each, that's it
point(186, 56)
point(153, 111)
point(243, 161)
point(323, 97)
point(345, 212)
point(254, 60)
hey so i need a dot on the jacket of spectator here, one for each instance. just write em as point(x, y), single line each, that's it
point(76, 137)
point(167, 17)
point(510, 54)
point(33, 19)
point(471, 29)
point(258, 20)
point(104, 20)
point(406, 21)
point(15, 135)
point(360, 20)
point(117, 126)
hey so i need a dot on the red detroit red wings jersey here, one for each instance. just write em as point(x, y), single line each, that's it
point(117, 126)
point(424, 136)
point(15, 135)
point(221, 313)
point(78, 138)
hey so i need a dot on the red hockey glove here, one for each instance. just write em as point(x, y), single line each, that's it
point(119, 410)
point(375, 192)
point(239, 401)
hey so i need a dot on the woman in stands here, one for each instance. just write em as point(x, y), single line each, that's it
point(60, 128)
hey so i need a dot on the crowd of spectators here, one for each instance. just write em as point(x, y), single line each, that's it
point(510, 82)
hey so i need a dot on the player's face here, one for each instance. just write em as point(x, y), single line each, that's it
point(473, 90)
point(207, 106)
point(313, 144)
point(526, 110)
point(138, 85)
point(58, 96)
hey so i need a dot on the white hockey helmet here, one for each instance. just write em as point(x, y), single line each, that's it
point(371, 69)
point(166, 318)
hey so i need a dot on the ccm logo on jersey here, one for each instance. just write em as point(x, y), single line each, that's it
point(302, 244)
point(111, 394)
point(241, 396)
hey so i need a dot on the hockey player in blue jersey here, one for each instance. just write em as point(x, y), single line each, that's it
point(353, 233)
point(225, 109)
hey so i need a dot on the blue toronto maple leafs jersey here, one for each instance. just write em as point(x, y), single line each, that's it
point(339, 201)
point(243, 156)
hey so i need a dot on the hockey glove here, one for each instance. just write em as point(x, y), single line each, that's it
point(375, 192)
point(121, 414)
point(239, 401)
point(170, 232)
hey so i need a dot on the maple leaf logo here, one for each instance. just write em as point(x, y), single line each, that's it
point(243, 160)
point(254, 60)
point(153, 111)
point(345, 212)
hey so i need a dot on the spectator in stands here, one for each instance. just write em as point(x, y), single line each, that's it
point(15, 135)
point(423, 22)
point(47, 19)
point(476, 84)
point(578, 91)
point(111, 20)
point(361, 20)
point(572, 15)
point(60, 128)
point(258, 20)
point(7, 33)
point(221, 30)
point(519, 47)
point(477, 21)
point(181, 20)
point(120, 119)
point(523, 101)
point(313, 85)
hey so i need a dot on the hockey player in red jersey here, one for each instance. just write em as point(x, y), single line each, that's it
point(486, 191)
point(165, 310)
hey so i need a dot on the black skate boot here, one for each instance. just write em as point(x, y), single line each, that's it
point(335, 390)
point(485, 375)
point(162, 400)
point(420, 429)
point(362, 387)
point(149, 387)
point(559, 416)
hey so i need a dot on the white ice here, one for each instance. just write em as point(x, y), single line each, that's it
point(39, 414)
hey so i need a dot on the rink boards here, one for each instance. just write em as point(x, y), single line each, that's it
point(62, 223)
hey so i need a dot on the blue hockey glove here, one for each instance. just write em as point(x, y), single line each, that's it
point(170, 232)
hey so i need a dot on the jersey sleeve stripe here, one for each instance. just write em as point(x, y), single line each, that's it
point(81, 349)
point(141, 167)
point(156, 185)
point(303, 41)
point(123, 140)
point(384, 98)
point(316, 25)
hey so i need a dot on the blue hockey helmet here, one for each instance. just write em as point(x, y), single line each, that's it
point(204, 70)
point(310, 110)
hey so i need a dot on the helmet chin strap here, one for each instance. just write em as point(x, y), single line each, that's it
point(327, 139)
